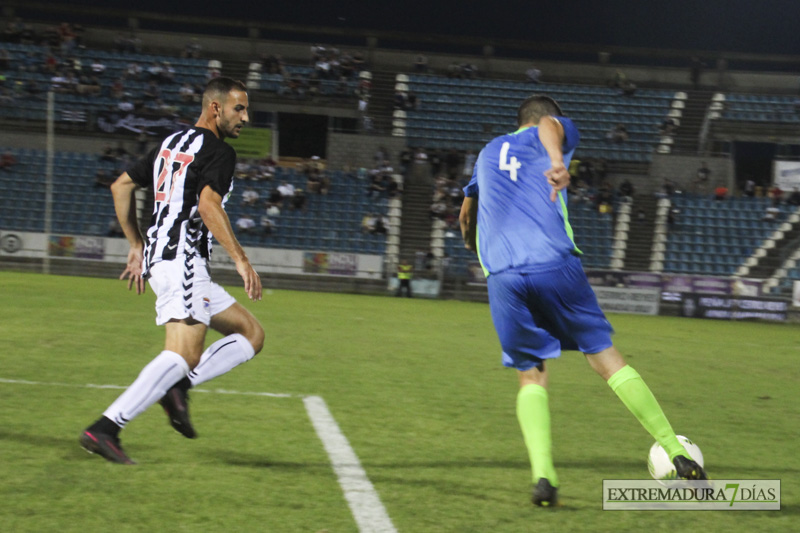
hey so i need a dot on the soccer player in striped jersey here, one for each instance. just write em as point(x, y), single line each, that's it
point(515, 216)
point(191, 175)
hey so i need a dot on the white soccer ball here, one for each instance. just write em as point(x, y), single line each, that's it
point(661, 468)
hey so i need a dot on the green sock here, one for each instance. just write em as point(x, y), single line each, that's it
point(533, 413)
point(635, 394)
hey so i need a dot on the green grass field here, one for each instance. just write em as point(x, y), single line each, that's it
point(417, 388)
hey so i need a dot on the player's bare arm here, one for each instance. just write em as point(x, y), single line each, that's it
point(468, 219)
point(216, 220)
point(125, 205)
point(551, 134)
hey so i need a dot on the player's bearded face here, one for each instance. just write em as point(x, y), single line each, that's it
point(233, 114)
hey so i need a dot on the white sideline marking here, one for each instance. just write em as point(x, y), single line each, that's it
point(120, 387)
point(363, 500)
point(365, 505)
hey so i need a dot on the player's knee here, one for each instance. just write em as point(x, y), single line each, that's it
point(255, 335)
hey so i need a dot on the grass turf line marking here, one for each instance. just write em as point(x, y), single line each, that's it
point(121, 387)
point(365, 505)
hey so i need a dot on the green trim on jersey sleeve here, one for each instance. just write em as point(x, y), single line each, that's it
point(478, 246)
point(566, 222)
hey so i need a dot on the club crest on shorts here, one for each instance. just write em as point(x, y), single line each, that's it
point(207, 306)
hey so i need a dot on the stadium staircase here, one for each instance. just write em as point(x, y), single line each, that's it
point(774, 258)
point(381, 105)
point(416, 224)
point(640, 235)
point(687, 138)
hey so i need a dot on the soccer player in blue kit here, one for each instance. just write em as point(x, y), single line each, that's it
point(515, 216)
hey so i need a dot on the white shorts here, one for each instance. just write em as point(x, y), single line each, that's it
point(184, 289)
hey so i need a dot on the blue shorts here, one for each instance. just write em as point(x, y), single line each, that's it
point(538, 314)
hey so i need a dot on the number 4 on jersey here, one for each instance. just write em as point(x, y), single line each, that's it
point(512, 165)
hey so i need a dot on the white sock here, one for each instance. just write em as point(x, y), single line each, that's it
point(221, 357)
point(153, 382)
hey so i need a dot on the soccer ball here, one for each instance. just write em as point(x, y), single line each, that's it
point(661, 468)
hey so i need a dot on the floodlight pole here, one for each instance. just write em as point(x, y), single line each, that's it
point(48, 184)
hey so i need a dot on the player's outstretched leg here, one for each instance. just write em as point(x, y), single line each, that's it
point(153, 381)
point(176, 404)
point(533, 414)
point(637, 397)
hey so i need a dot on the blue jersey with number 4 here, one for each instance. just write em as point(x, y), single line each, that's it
point(518, 226)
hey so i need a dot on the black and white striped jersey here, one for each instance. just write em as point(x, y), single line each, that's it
point(178, 170)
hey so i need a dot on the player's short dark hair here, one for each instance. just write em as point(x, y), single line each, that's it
point(221, 86)
point(536, 106)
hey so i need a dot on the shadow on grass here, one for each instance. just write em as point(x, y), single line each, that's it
point(251, 460)
point(39, 439)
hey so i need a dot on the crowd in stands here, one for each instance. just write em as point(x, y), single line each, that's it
point(452, 170)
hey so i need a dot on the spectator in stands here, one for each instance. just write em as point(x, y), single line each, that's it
point(533, 75)
point(771, 213)
point(452, 162)
point(794, 198)
point(368, 223)
point(129, 44)
point(5, 59)
point(167, 73)
point(132, 72)
point(375, 187)
point(405, 160)
point(435, 158)
point(438, 210)
point(672, 216)
point(421, 63)
point(275, 198)
point(299, 200)
point(412, 101)
point(7, 160)
point(617, 134)
point(380, 225)
point(720, 193)
point(287, 191)
point(125, 105)
point(749, 188)
point(619, 80)
point(629, 89)
point(420, 155)
point(103, 179)
point(400, 100)
point(193, 49)
point(187, 93)
point(152, 91)
point(776, 195)
point(108, 154)
point(245, 223)
point(392, 187)
point(249, 196)
point(703, 173)
point(267, 225)
point(114, 228)
point(626, 189)
point(695, 71)
point(117, 89)
point(667, 126)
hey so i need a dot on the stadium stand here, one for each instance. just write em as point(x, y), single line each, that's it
point(716, 237)
point(467, 113)
point(330, 222)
